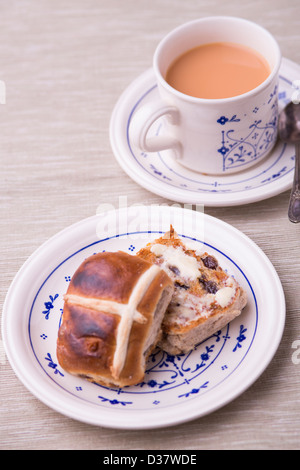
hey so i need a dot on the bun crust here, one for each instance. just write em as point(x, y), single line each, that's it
point(112, 318)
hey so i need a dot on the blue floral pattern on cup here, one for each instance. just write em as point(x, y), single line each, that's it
point(160, 167)
point(237, 150)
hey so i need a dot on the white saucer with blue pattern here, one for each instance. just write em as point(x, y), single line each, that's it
point(175, 389)
point(161, 174)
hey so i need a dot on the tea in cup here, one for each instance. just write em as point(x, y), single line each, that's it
point(217, 79)
point(197, 71)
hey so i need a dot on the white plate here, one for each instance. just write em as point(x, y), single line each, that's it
point(162, 175)
point(176, 388)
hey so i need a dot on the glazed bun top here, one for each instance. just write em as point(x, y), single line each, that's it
point(110, 319)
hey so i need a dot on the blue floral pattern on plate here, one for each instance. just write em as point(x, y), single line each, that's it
point(187, 376)
point(174, 388)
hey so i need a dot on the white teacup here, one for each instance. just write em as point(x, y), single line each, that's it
point(213, 136)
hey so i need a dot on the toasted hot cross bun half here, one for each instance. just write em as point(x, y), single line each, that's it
point(205, 298)
point(112, 316)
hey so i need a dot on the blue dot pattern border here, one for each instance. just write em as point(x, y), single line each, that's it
point(185, 376)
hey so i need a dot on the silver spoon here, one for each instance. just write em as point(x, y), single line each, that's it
point(289, 131)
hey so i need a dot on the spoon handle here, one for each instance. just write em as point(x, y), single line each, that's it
point(294, 205)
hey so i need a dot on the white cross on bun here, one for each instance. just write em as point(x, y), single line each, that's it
point(112, 318)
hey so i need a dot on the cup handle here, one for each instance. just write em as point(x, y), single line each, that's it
point(144, 118)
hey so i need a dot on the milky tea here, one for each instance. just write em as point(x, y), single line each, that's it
point(218, 70)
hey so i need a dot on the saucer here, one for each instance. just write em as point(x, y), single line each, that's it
point(159, 172)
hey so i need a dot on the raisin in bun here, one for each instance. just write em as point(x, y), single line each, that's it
point(205, 298)
point(112, 317)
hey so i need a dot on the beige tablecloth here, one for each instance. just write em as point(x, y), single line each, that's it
point(65, 63)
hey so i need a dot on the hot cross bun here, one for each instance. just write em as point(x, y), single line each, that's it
point(205, 298)
point(112, 317)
